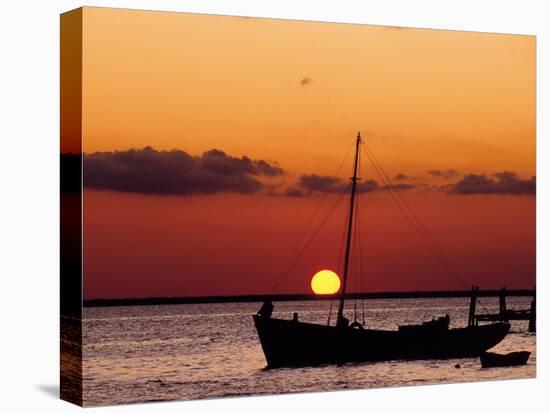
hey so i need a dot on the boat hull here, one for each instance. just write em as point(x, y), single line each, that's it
point(288, 343)
point(491, 360)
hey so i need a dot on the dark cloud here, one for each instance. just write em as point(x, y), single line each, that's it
point(500, 183)
point(402, 177)
point(295, 191)
point(312, 183)
point(219, 162)
point(148, 171)
point(443, 173)
point(268, 169)
point(505, 182)
point(368, 186)
point(322, 184)
point(401, 187)
point(306, 81)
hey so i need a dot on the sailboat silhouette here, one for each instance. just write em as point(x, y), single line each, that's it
point(292, 343)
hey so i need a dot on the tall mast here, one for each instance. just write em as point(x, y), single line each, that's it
point(354, 179)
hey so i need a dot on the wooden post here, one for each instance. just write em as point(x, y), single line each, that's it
point(533, 314)
point(502, 304)
point(472, 312)
point(475, 304)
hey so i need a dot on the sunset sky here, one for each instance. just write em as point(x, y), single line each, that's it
point(227, 129)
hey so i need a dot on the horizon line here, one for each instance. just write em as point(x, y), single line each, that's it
point(175, 300)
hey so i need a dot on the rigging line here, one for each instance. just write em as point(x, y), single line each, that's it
point(342, 242)
point(323, 222)
point(342, 245)
point(297, 257)
point(419, 223)
point(353, 263)
point(358, 232)
point(356, 256)
point(423, 238)
point(356, 250)
point(323, 198)
point(360, 212)
point(356, 253)
point(359, 244)
point(428, 239)
point(340, 255)
point(415, 217)
point(399, 202)
point(412, 223)
point(340, 252)
point(330, 312)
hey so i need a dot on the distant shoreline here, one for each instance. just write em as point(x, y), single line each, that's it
point(88, 303)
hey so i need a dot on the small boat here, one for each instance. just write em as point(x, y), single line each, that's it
point(492, 359)
point(293, 343)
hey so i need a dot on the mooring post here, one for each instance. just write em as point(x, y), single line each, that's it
point(475, 304)
point(502, 304)
point(533, 314)
point(472, 312)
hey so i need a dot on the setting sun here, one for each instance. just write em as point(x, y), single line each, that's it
point(325, 282)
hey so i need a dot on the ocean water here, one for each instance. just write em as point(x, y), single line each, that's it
point(182, 352)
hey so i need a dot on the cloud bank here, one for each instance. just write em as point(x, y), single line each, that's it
point(148, 171)
point(505, 182)
point(310, 184)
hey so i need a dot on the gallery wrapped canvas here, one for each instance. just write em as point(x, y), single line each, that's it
point(259, 206)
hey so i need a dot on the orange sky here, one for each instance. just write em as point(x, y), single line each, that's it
point(196, 82)
point(294, 94)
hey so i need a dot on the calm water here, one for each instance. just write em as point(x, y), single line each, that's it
point(169, 352)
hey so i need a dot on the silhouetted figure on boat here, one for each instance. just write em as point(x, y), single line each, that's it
point(442, 322)
point(435, 325)
point(342, 322)
point(266, 310)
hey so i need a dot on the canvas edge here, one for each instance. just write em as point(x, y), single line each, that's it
point(71, 381)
